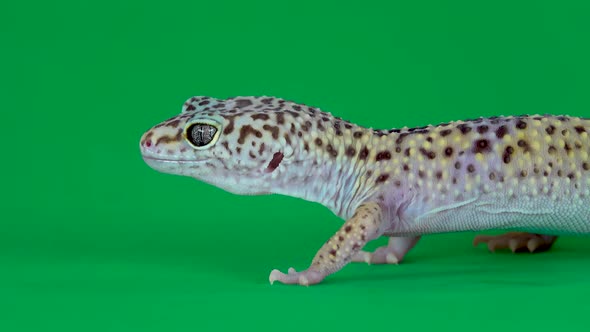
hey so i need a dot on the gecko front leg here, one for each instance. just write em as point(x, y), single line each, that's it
point(365, 225)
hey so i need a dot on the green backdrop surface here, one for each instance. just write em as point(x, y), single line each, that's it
point(92, 239)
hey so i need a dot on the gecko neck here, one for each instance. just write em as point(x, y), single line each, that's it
point(331, 173)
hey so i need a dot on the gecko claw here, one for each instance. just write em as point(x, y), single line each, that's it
point(391, 259)
point(513, 244)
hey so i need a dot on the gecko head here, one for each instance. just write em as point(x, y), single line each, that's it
point(230, 143)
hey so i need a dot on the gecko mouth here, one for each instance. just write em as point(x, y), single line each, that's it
point(167, 160)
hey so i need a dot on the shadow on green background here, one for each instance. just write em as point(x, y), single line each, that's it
point(92, 239)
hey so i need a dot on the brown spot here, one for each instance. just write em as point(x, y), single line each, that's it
point(445, 132)
point(357, 134)
point(347, 229)
point(369, 173)
point(173, 123)
point(320, 126)
point(318, 141)
point(331, 150)
point(421, 174)
point(350, 151)
point(428, 154)
point(252, 155)
point(306, 126)
point(398, 149)
point(586, 166)
point(501, 131)
point(482, 129)
point(400, 138)
point(523, 144)
point(559, 173)
point(523, 173)
point(333, 252)
point(492, 176)
point(448, 151)
point(457, 165)
point(292, 129)
point(288, 138)
point(364, 153)
point(275, 162)
point(579, 129)
point(481, 145)
point(190, 107)
point(226, 146)
point(340, 238)
point(406, 167)
point(260, 116)
point(571, 176)
point(247, 130)
point(243, 103)
point(382, 178)
point(383, 155)
point(470, 168)
point(521, 124)
point(280, 118)
point(464, 128)
point(567, 147)
point(429, 139)
point(306, 146)
point(169, 139)
point(407, 152)
point(273, 129)
point(550, 130)
point(261, 149)
point(506, 156)
point(438, 175)
point(552, 149)
point(230, 126)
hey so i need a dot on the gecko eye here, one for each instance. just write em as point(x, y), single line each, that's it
point(200, 134)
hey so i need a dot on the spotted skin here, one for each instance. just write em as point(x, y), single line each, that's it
point(530, 173)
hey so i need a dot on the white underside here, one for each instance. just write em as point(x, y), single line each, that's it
point(542, 214)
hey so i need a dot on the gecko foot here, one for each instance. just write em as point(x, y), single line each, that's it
point(304, 278)
point(383, 255)
point(517, 242)
point(393, 253)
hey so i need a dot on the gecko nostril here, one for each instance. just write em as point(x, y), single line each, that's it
point(148, 143)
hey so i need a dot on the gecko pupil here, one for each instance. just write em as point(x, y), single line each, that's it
point(200, 134)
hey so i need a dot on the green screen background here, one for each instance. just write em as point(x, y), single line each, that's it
point(93, 239)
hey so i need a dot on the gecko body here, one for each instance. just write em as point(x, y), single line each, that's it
point(529, 173)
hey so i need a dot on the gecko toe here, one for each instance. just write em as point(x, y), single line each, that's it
point(517, 242)
point(303, 278)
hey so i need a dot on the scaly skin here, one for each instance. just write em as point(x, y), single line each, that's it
point(529, 172)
